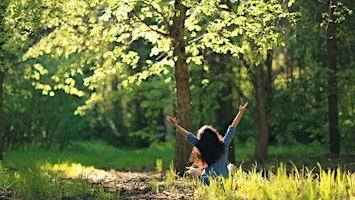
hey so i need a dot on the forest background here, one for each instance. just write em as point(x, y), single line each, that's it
point(110, 70)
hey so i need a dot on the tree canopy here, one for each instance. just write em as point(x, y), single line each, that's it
point(109, 70)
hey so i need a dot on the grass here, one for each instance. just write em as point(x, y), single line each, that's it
point(97, 154)
point(53, 174)
point(300, 184)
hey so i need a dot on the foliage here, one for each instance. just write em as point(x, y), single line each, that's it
point(31, 119)
point(115, 59)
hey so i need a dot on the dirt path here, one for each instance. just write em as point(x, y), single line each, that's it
point(137, 185)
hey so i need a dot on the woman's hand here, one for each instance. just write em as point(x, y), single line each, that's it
point(173, 121)
point(239, 115)
point(242, 108)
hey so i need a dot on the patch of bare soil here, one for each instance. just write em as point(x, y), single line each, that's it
point(137, 185)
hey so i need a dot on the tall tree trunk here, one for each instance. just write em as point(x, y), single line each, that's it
point(262, 137)
point(334, 137)
point(2, 75)
point(182, 89)
point(263, 95)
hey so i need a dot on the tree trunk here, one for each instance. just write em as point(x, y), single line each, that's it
point(2, 75)
point(263, 95)
point(262, 137)
point(182, 89)
point(334, 137)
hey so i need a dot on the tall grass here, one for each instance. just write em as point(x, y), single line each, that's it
point(297, 184)
point(35, 183)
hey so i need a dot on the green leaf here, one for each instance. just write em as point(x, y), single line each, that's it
point(290, 3)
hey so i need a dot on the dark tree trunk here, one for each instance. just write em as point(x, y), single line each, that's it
point(262, 87)
point(182, 89)
point(262, 131)
point(2, 75)
point(334, 137)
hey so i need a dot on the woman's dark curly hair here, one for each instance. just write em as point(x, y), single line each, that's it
point(209, 147)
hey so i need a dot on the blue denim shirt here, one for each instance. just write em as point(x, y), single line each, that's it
point(219, 167)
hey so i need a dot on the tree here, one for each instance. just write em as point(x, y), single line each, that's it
point(182, 89)
point(345, 21)
point(99, 41)
point(96, 41)
point(308, 56)
point(17, 22)
point(334, 137)
point(249, 32)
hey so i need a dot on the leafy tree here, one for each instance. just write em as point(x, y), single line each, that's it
point(345, 65)
point(307, 75)
point(254, 28)
point(98, 36)
point(18, 20)
point(97, 39)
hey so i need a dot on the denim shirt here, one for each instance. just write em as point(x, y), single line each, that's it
point(219, 167)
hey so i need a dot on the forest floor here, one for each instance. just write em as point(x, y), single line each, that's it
point(138, 185)
point(150, 185)
point(153, 185)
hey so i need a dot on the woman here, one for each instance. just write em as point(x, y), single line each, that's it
point(210, 150)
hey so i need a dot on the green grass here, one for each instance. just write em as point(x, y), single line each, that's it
point(53, 174)
point(96, 154)
point(299, 184)
point(100, 155)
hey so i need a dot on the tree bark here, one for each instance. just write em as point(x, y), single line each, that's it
point(182, 89)
point(262, 131)
point(2, 75)
point(334, 137)
point(262, 87)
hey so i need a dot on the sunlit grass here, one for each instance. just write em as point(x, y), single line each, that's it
point(297, 184)
point(69, 170)
point(54, 174)
point(45, 183)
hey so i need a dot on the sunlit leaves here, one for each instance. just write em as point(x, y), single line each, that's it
point(341, 13)
point(100, 37)
point(254, 21)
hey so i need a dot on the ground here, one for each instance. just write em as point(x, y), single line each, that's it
point(153, 185)
point(150, 185)
point(137, 185)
